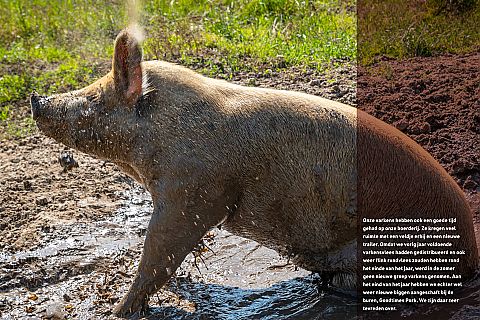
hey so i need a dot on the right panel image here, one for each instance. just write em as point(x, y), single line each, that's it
point(418, 159)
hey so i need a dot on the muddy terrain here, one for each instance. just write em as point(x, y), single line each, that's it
point(435, 101)
point(70, 241)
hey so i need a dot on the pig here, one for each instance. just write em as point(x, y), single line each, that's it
point(278, 167)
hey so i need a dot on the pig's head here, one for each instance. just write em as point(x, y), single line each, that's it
point(99, 119)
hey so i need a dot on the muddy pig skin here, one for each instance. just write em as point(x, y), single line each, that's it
point(275, 166)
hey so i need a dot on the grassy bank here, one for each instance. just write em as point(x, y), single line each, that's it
point(409, 28)
point(56, 46)
point(239, 34)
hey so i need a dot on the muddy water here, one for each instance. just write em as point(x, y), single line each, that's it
point(82, 269)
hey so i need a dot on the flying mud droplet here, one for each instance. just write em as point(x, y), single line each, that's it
point(67, 162)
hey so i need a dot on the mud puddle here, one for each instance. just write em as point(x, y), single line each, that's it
point(82, 269)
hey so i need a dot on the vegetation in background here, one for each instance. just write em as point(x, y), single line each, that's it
point(409, 28)
point(240, 34)
point(56, 46)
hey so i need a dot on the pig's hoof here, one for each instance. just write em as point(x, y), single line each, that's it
point(130, 307)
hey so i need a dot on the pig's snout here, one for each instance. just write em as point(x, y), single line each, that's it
point(36, 102)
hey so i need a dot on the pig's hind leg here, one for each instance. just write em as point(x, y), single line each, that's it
point(176, 226)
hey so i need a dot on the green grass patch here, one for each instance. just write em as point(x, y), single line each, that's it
point(239, 34)
point(12, 87)
point(4, 112)
point(403, 29)
point(18, 129)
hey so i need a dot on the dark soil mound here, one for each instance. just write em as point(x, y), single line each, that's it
point(435, 101)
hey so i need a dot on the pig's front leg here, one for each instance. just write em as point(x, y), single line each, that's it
point(177, 225)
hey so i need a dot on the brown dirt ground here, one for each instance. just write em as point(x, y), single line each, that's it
point(435, 101)
point(35, 195)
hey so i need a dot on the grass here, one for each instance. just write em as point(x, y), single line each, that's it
point(56, 46)
point(410, 28)
point(60, 45)
point(239, 34)
point(4, 113)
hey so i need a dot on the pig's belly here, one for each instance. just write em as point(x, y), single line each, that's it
point(339, 265)
point(311, 241)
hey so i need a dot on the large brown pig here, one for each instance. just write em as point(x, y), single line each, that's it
point(278, 167)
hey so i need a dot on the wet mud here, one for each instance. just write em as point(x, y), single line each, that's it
point(88, 266)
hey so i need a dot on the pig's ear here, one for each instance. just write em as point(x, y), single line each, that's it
point(127, 69)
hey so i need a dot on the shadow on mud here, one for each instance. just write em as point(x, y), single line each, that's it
point(298, 298)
